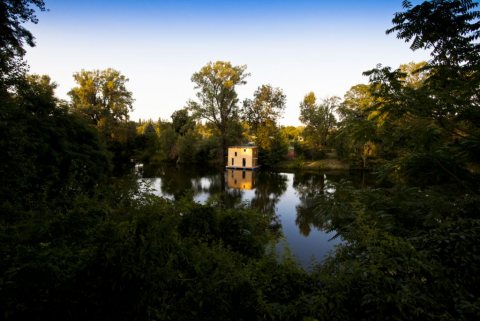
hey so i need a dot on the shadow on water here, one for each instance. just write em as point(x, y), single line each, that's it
point(288, 200)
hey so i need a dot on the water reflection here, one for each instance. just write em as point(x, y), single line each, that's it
point(288, 200)
point(240, 179)
point(309, 186)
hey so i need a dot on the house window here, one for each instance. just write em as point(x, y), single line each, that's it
point(235, 153)
point(243, 174)
point(244, 162)
point(245, 150)
point(232, 160)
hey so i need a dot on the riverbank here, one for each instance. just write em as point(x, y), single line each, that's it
point(329, 164)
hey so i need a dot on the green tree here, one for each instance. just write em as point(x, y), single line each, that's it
point(261, 114)
point(217, 98)
point(449, 27)
point(265, 108)
point(102, 98)
point(319, 119)
point(50, 154)
point(13, 36)
point(357, 136)
point(443, 112)
point(182, 122)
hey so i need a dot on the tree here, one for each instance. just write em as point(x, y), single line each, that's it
point(182, 122)
point(266, 107)
point(261, 114)
point(442, 112)
point(13, 36)
point(449, 27)
point(102, 98)
point(49, 154)
point(217, 99)
point(318, 118)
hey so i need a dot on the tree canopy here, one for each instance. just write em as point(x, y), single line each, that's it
point(216, 83)
point(102, 98)
point(13, 14)
point(319, 118)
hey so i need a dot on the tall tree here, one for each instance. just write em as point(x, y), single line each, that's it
point(102, 98)
point(261, 114)
point(267, 106)
point(319, 118)
point(13, 36)
point(217, 98)
point(449, 27)
point(445, 105)
point(357, 130)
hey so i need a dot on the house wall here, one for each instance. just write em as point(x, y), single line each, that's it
point(239, 153)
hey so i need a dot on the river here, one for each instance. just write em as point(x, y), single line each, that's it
point(288, 197)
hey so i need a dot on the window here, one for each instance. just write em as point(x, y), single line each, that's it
point(235, 153)
point(243, 174)
point(244, 162)
point(233, 161)
point(244, 150)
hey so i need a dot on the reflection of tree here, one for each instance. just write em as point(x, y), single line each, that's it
point(309, 187)
point(270, 187)
point(183, 181)
point(221, 195)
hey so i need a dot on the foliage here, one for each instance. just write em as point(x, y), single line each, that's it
point(13, 35)
point(182, 122)
point(217, 98)
point(261, 115)
point(102, 98)
point(78, 244)
point(48, 153)
point(319, 119)
point(266, 107)
point(147, 142)
point(133, 258)
point(405, 255)
point(449, 27)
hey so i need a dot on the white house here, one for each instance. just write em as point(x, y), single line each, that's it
point(243, 157)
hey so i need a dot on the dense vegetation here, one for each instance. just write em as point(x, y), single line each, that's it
point(79, 240)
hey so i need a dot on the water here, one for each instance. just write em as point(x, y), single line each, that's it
point(289, 198)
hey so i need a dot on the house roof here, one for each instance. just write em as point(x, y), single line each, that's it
point(242, 146)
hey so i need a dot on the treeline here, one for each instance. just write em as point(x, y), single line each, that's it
point(77, 243)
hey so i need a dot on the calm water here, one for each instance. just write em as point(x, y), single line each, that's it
point(287, 197)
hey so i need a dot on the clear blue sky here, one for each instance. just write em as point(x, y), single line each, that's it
point(299, 46)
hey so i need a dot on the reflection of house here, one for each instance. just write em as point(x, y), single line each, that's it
point(244, 157)
point(240, 179)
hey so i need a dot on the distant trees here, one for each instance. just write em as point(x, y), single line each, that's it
point(357, 134)
point(217, 98)
point(102, 98)
point(265, 108)
point(261, 114)
point(319, 119)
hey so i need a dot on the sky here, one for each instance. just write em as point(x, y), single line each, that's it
point(298, 46)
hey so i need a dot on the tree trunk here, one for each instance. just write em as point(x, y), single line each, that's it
point(223, 149)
